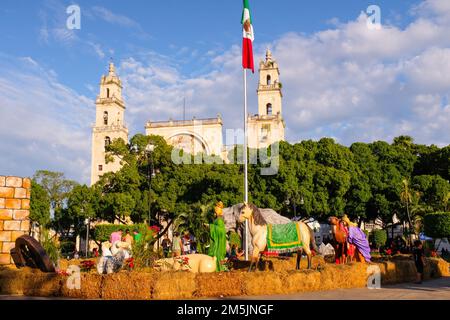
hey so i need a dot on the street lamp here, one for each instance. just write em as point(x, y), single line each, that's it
point(148, 151)
point(86, 222)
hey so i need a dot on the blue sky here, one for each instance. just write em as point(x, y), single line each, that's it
point(340, 79)
point(164, 27)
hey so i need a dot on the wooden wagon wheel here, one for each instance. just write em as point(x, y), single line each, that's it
point(29, 252)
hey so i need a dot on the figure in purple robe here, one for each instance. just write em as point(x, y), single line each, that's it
point(358, 238)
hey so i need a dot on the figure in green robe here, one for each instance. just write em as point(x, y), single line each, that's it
point(218, 237)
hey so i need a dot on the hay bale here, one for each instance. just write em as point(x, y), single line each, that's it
point(128, 286)
point(174, 286)
point(219, 284)
point(262, 283)
point(12, 282)
point(388, 272)
point(42, 284)
point(405, 271)
point(353, 275)
point(358, 274)
point(287, 264)
point(90, 287)
point(301, 281)
point(442, 267)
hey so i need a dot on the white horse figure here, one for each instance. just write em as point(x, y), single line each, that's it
point(231, 218)
point(258, 230)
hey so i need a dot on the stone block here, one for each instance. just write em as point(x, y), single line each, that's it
point(7, 246)
point(28, 193)
point(1, 225)
point(13, 204)
point(26, 183)
point(25, 204)
point(21, 214)
point(20, 193)
point(25, 225)
point(6, 214)
point(2, 203)
point(16, 234)
point(11, 225)
point(5, 259)
point(5, 236)
point(2, 181)
point(6, 192)
point(15, 182)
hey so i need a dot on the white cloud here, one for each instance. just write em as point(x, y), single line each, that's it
point(346, 82)
point(109, 16)
point(45, 125)
point(349, 82)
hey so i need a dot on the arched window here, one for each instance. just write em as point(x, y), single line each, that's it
point(269, 80)
point(269, 109)
point(107, 92)
point(105, 118)
point(107, 141)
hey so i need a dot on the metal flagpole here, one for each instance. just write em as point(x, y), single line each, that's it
point(245, 160)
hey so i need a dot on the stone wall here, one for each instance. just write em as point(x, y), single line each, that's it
point(14, 213)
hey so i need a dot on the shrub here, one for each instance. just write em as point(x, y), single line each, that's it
point(142, 251)
point(50, 246)
point(437, 225)
point(102, 232)
point(234, 239)
point(379, 237)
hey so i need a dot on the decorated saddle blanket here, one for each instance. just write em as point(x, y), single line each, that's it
point(283, 237)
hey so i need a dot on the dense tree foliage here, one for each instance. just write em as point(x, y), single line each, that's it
point(39, 205)
point(437, 225)
point(366, 181)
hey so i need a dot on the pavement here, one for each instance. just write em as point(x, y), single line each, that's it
point(438, 289)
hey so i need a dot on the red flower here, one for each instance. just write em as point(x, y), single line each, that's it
point(154, 229)
point(63, 273)
point(130, 263)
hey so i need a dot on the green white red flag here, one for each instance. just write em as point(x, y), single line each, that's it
point(248, 38)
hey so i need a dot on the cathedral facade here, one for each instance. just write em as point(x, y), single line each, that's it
point(193, 136)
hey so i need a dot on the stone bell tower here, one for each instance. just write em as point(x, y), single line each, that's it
point(109, 124)
point(268, 125)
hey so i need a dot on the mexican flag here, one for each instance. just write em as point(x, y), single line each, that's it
point(249, 37)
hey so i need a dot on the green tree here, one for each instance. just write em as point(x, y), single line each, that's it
point(39, 205)
point(194, 220)
point(56, 186)
point(406, 198)
point(80, 206)
point(379, 237)
point(434, 190)
point(437, 225)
